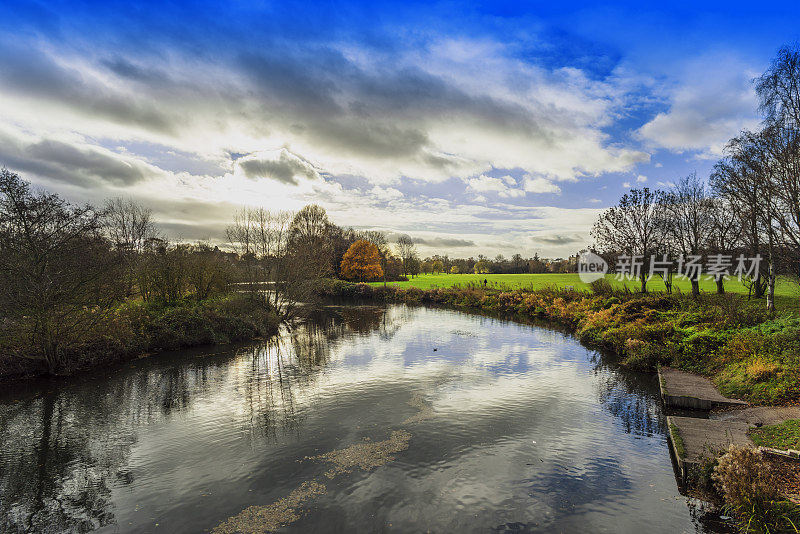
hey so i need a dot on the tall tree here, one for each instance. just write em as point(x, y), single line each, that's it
point(688, 212)
point(724, 233)
point(634, 228)
point(741, 179)
point(55, 268)
point(130, 228)
point(407, 250)
point(778, 89)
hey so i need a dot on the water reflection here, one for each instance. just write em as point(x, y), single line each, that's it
point(509, 428)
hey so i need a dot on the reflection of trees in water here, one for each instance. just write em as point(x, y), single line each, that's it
point(63, 450)
point(57, 467)
point(288, 366)
point(629, 396)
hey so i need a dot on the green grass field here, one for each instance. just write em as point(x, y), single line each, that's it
point(785, 288)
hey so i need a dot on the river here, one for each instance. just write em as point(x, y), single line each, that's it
point(363, 419)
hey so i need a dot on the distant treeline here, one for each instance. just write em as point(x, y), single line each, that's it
point(516, 264)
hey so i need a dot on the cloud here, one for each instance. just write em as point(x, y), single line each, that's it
point(485, 183)
point(434, 130)
point(558, 239)
point(32, 74)
point(540, 185)
point(488, 184)
point(713, 102)
point(406, 113)
point(641, 179)
point(449, 242)
point(73, 162)
point(285, 168)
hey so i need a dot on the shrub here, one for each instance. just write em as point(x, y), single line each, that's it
point(748, 487)
point(601, 287)
point(643, 355)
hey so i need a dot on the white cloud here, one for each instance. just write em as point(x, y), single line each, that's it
point(641, 179)
point(540, 185)
point(712, 101)
point(485, 183)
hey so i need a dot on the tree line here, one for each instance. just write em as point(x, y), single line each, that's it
point(749, 206)
point(65, 269)
point(516, 264)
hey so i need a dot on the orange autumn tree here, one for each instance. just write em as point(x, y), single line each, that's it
point(361, 262)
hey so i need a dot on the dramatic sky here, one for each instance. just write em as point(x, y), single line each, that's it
point(493, 127)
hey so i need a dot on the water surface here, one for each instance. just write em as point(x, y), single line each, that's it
point(364, 419)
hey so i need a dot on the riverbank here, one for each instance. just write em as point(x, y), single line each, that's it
point(748, 353)
point(137, 328)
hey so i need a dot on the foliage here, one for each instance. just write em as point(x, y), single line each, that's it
point(601, 286)
point(362, 262)
point(749, 489)
point(133, 328)
point(55, 265)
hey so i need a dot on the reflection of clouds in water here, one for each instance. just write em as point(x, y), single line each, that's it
point(167, 425)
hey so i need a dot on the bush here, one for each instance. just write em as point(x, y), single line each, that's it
point(749, 489)
point(601, 287)
point(643, 355)
point(134, 328)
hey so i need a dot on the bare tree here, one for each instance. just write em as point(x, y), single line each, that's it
point(129, 225)
point(741, 179)
point(55, 268)
point(283, 255)
point(634, 227)
point(208, 272)
point(689, 214)
point(724, 233)
point(779, 94)
point(407, 250)
point(130, 228)
point(778, 89)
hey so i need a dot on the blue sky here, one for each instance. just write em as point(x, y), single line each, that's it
point(494, 127)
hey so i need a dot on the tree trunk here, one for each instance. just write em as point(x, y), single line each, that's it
point(644, 283)
point(771, 288)
point(695, 288)
point(720, 286)
point(758, 287)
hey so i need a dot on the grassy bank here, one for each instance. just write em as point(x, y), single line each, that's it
point(136, 328)
point(747, 353)
point(783, 436)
